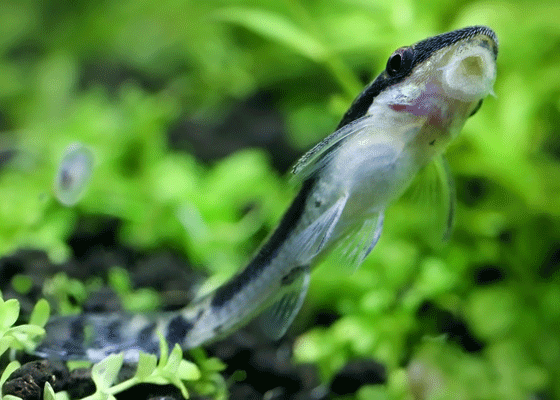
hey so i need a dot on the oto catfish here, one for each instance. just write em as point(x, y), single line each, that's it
point(399, 124)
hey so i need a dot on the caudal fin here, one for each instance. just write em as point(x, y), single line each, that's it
point(95, 336)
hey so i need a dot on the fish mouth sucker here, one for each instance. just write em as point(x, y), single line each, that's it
point(444, 91)
point(458, 75)
point(470, 73)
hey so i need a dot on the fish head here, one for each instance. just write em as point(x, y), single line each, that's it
point(434, 85)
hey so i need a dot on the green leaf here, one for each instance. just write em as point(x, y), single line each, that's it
point(11, 397)
point(48, 392)
point(40, 314)
point(25, 336)
point(146, 365)
point(119, 280)
point(214, 365)
point(141, 300)
point(5, 343)
point(174, 360)
point(163, 349)
point(22, 283)
point(188, 371)
point(26, 333)
point(11, 367)
point(72, 365)
point(277, 28)
point(9, 312)
point(105, 372)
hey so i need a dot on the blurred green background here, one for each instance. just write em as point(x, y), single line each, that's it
point(194, 111)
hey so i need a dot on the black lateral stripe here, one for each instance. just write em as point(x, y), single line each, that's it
point(177, 330)
point(70, 348)
point(147, 340)
point(422, 51)
point(147, 333)
point(268, 251)
point(113, 332)
point(76, 327)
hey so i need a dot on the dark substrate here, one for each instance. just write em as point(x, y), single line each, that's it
point(269, 371)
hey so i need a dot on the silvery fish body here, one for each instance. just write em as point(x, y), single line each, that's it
point(399, 124)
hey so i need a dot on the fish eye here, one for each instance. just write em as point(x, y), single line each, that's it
point(400, 61)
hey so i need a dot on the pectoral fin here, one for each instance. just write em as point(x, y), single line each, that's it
point(448, 194)
point(433, 192)
point(322, 154)
point(277, 318)
point(354, 248)
point(313, 238)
